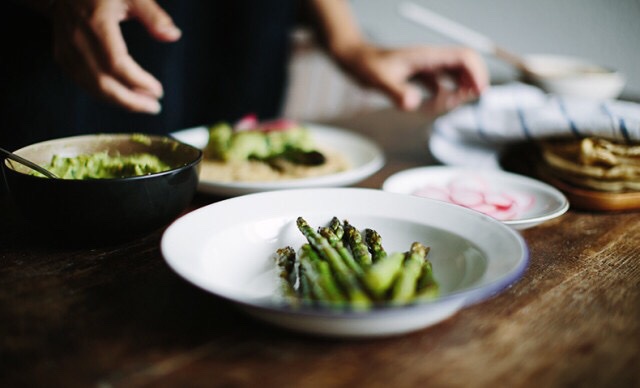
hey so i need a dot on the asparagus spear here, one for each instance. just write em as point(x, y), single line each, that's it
point(339, 246)
point(404, 288)
point(305, 292)
point(427, 287)
point(380, 276)
point(374, 243)
point(346, 277)
point(358, 247)
point(320, 279)
point(285, 259)
point(336, 226)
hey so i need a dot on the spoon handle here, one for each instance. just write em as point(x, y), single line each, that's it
point(27, 163)
point(458, 32)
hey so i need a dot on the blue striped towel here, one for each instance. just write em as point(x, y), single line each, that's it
point(518, 111)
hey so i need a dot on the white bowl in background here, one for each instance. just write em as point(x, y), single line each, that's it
point(576, 77)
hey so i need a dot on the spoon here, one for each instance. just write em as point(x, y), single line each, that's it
point(467, 36)
point(555, 74)
point(27, 163)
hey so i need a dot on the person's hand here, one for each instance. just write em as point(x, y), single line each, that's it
point(457, 72)
point(89, 46)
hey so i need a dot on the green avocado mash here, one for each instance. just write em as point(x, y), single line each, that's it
point(103, 166)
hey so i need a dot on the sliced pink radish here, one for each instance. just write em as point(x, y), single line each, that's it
point(475, 193)
point(465, 182)
point(522, 201)
point(503, 215)
point(484, 208)
point(246, 123)
point(499, 200)
point(278, 125)
point(467, 198)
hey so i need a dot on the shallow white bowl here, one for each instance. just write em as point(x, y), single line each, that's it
point(226, 248)
point(576, 77)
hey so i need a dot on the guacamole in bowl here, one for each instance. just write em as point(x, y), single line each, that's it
point(101, 165)
point(114, 186)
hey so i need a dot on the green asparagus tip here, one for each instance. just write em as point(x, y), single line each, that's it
point(419, 249)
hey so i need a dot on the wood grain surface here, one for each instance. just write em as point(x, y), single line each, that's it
point(117, 316)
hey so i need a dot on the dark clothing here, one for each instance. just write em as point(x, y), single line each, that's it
point(231, 60)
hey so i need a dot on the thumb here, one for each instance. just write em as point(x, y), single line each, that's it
point(406, 96)
point(412, 98)
point(155, 19)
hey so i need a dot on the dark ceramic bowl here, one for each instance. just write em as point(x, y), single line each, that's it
point(104, 209)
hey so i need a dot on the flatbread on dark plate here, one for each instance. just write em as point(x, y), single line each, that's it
point(584, 191)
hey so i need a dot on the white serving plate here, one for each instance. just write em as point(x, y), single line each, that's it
point(534, 202)
point(364, 155)
point(226, 248)
point(448, 147)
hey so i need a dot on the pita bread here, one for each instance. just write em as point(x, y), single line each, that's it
point(593, 163)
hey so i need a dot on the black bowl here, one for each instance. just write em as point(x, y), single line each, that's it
point(104, 209)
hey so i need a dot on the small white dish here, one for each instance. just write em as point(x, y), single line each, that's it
point(227, 248)
point(576, 77)
point(518, 201)
point(365, 157)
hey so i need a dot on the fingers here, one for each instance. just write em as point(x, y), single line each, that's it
point(404, 94)
point(411, 98)
point(464, 65)
point(113, 58)
point(472, 71)
point(458, 74)
point(156, 20)
point(388, 72)
point(89, 45)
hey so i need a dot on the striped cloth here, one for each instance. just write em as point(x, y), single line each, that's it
point(519, 111)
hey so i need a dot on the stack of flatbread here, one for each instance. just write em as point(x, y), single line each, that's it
point(593, 163)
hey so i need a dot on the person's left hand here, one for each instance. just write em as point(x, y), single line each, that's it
point(89, 46)
point(457, 71)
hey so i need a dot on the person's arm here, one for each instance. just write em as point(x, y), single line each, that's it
point(89, 46)
point(393, 70)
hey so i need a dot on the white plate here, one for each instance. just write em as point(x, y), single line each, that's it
point(448, 147)
point(365, 157)
point(226, 248)
point(518, 201)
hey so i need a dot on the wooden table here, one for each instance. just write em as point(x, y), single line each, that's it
point(119, 316)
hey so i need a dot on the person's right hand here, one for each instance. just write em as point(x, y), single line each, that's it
point(89, 46)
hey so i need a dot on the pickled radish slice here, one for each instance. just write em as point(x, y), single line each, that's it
point(522, 200)
point(476, 194)
point(248, 122)
point(466, 197)
point(467, 182)
point(499, 200)
point(277, 125)
point(251, 122)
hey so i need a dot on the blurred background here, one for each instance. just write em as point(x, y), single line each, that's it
point(606, 32)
